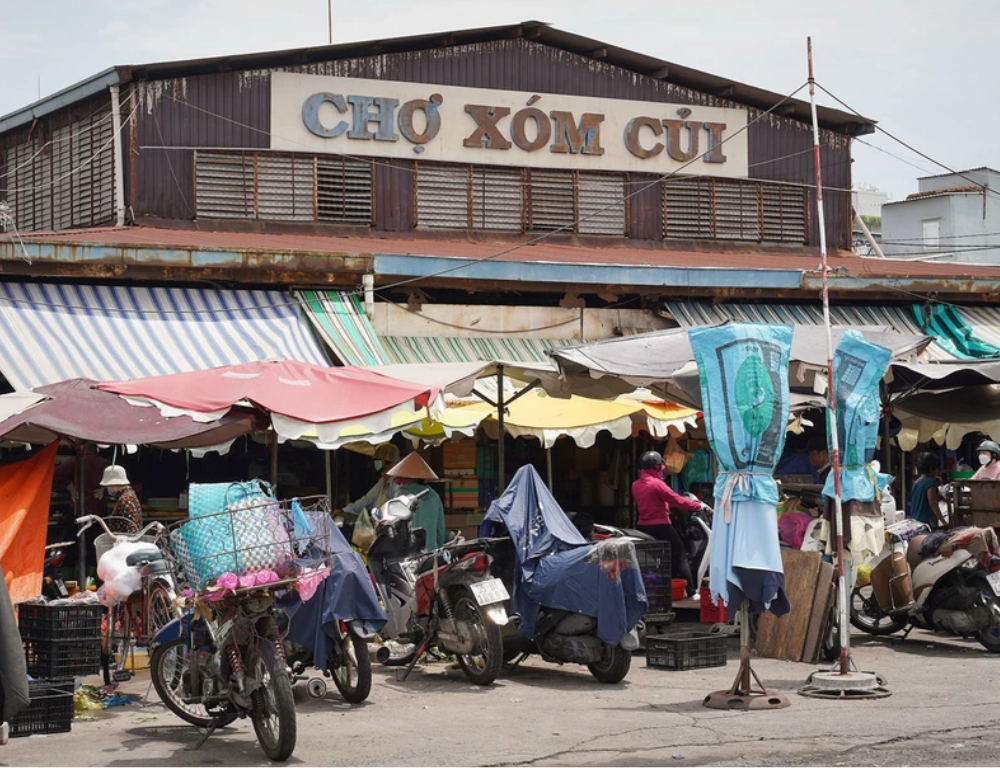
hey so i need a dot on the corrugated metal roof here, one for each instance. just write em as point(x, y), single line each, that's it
point(694, 313)
point(540, 32)
point(453, 349)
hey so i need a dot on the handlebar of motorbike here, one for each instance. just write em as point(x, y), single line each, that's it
point(88, 520)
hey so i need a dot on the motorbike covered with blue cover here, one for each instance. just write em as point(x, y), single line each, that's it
point(557, 568)
point(346, 594)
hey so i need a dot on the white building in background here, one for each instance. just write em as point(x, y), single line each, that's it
point(954, 217)
point(868, 201)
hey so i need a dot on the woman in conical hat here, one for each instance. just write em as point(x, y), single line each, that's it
point(410, 477)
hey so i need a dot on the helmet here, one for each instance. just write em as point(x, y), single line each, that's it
point(989, 445)
point(650, 460)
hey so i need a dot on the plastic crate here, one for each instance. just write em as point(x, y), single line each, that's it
point(80, 623)
point(686, 650)
point(62, 658)
point(655, 569)
point(50, 710)
point(711, 613)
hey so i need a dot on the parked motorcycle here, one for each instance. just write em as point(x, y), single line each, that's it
point(566, 570)
point(952, 593)
point(445, 598)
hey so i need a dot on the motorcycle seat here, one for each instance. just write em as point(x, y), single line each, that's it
point(426, 565)
point(144, 555)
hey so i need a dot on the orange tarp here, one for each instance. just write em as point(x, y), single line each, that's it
point(25, 488)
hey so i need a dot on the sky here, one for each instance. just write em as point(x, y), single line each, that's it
point(904, 63)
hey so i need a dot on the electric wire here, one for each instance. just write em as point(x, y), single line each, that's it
point(60, 140)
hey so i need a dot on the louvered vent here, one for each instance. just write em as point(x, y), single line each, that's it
point(553, 200)
point(443, 196)
point(285, 185)
point(601, 204)
point(784, 213)
point(689, 209)
point(496, 199)
point(224, 185)
point(344, 190)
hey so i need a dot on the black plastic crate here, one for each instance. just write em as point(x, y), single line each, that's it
point(50, 710)
point(655, 568)
point(686, 650)
point(61, 658)
point(80, 623)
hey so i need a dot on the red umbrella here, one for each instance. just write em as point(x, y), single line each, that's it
point(300, 397)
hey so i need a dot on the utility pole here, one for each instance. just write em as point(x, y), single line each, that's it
point(329, 18)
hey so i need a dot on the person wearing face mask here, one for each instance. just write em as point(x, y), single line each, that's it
point(386, 457)
point(989, 461)
point(410, 477)
point(126, 517)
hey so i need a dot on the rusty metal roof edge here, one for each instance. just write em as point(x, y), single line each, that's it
point(71, 94)
point(536, 31)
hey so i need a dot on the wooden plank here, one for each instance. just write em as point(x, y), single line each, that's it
point(819, 622)
point(784, 637)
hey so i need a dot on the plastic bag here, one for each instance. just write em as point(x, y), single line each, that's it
point(364, 531)
point(120, 579)
point(675, 457)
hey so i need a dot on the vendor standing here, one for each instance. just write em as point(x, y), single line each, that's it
point(386, 457)
point(654, 499)
point(410, 478)
point(989, 461)
point(924, 497)
point(126, 517)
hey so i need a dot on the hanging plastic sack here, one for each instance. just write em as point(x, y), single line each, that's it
point(364, 532)
point(120, 579)
point(675, 457)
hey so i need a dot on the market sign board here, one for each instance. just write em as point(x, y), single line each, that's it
point(383, 118)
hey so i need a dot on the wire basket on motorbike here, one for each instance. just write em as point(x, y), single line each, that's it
point(255, 543)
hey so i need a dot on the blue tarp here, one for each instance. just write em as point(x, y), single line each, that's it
point(858, 367)
point(345, 595)
point(743, 373)
point(558, 568)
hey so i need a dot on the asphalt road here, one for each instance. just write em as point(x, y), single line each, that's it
point(945, 710)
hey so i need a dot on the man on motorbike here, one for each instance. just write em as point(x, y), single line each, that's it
point(410, 476)
point(654, 500)
point(989, 461)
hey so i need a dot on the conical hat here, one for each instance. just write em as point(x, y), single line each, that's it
point(413, 467)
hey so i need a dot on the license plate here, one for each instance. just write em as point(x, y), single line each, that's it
point(489, 592)
point(994, 580)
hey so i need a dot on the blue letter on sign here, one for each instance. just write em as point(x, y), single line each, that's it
point(310, 114)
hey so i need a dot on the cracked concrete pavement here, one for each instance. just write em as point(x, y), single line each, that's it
point(945, 710)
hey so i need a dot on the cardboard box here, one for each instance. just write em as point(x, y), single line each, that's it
point(460, 454)
point(454, 522)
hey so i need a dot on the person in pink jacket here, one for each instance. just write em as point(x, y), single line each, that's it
point(654, 499)
point(989, 460)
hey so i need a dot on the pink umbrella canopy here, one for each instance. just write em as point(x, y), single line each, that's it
point(300, 397)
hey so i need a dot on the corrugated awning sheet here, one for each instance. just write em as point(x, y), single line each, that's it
point(342, 323)
point(454, 349)
point(51, 333)
point(900, 318)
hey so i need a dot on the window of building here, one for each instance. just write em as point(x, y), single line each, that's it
point(700, 208)
point(932, 233)
point(283, 187)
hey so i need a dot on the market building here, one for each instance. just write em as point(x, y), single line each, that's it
point(474, 194)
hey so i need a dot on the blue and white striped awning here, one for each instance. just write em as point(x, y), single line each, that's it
point(53, 332)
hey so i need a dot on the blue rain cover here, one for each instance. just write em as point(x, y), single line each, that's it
point(558, 568)
point(345, 595)
point(858, 367)
point(743, 373)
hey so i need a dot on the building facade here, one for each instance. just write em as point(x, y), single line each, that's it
point(953, 217)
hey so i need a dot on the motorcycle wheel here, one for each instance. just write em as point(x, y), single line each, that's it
point(867, 615)
point(613, 667)
point(273, 712)
point(481, 668)
point(831, 640)
point(989, 638)
point(169, 667)
point(350, 665)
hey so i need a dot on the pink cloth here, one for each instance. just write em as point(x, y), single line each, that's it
point(654, 498)
point(988, 472)
point(792, 528)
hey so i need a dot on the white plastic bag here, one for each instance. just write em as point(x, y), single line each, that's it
point(120, 580)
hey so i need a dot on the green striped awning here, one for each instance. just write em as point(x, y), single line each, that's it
point(963, 331)
point(342, 323)
point(453, 349)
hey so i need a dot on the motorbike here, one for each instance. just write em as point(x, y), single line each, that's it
point(561, 635)
point(445, 598)
point(954, 593)
point(53, 586)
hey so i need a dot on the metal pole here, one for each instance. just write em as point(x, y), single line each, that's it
point(119, 172)
point(274, 460)
point(548, 466)
point(329, 477)
point(81, 510)
point(867, 233)
point(886, 415)
point(831, 413)
point(329, 18)
point(501, 479)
